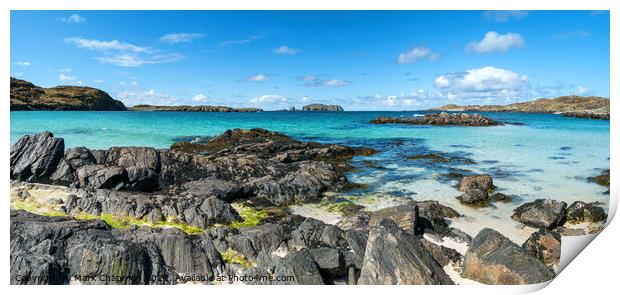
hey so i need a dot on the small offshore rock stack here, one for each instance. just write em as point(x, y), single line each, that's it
point(440, 119)
point(317, 107)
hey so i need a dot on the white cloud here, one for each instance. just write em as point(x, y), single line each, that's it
point(572, 34)
point(502, 16)
point(336, 83)
point(487, 82)
point(124, 54)
point(22, 63)
point(286, 50)
point(74, 19)
point(268, 98)
point(258, 78)
point(582, 90)
point(494, 42)
point(242, 41)
point(65, 70)
point(416, 53)
point(180, 37)
point(65, 78)
point(200, 98)
point(98, 81)
point(93, 44)
point(133, 97)
point(322, 80)
point(133, 60)
point(134, 83)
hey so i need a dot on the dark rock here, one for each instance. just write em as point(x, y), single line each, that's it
point(580, 211)
point(602, 179)
point(59, 248)
point(300, 266)
point(35, 157)
point(432, 216)
point(542, 213)
point(480, 181)
point(308, 234)
point(357, 240)
point(459, 236)
point(494, 259)
point(474, 197)
point(440, 119)
point(330, 262)
point(102, 177)
point(546, 246)
point(393, 256)
point(266, 237)
point(441, 254)
point(405, 217)
point(333, 237)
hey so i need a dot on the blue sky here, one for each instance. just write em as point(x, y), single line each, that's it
point(362, 60)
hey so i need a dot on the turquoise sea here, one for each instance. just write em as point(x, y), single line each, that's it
point(545, 156)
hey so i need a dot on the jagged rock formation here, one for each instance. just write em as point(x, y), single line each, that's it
point(542, 213)
point(26, 96)
point(441, 119)
point(494, 259)
point(592, 107)
point(188, 108)
point(322, 108)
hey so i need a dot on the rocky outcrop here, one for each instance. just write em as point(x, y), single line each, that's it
point(322, 108)
point(494, 259)
point(476, 189)
point(546, 246)
point(188, 108)
point(602, 179)
point(579, 212)
point(394, 257)
point(57, 250)
point(35, 157)
point(300, 267)
point(440, 119)
point(573, 106)
point(238, 164)
point(26, 96)
point(597, 114)
point(541, 213)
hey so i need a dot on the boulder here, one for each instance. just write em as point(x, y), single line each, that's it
point(308, 234)
point(102, 177)
point(405, 216)
point(441, 254)
point(541, 213)
point(393, 256)
point(432, 216)
point(481, 181)
point(580, 211)
point(35, 157)
point(330, 261)
point(546, 246)
point(299, 266)
point(495, 260)
point(474, 197)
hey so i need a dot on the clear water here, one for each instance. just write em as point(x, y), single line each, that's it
point(549, 157)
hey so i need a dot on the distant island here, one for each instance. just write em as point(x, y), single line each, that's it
point(26, 96)
point(317, 107)
point(592, 107)
point(188, 108)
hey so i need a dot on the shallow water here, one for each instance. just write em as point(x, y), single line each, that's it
point(549, 157)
